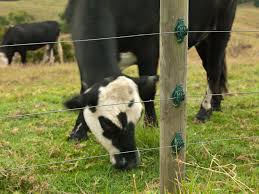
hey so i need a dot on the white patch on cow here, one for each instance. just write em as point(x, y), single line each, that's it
point(206, 103)
point(3, 60)
point(120, 91)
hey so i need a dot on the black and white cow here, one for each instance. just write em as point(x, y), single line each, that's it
point(113, 124)
point(16, 38)
point(110, 18)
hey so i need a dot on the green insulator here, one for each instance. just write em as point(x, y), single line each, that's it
point(178, 95)
point(181, 30)
point(177, 143)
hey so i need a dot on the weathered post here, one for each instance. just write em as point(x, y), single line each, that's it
point(173, 70)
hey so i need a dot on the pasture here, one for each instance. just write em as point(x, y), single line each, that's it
point(46, 10)
point(220, 156)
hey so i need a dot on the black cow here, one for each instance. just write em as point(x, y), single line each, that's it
point(109, 18)
point(45, 33)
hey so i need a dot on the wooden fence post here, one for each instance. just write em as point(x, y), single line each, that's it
point(173, 70)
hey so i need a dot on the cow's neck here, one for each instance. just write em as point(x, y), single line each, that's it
point(96, 59)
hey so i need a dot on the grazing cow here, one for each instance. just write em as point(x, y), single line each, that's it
point(16, 38)
point(114, 126)
point(109, 18)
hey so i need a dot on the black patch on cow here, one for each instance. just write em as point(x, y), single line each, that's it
point(109, 128)
point(93, 96)
point(123, 140)
point(122, 116)
point(89, 98)
point(75, 102)
point(131, 103)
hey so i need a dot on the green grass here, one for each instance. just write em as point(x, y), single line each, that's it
point(42, 139)
point(41, 10)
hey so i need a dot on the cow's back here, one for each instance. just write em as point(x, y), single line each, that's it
point(138, 17)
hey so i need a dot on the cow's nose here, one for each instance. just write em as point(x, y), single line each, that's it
point(127, 162)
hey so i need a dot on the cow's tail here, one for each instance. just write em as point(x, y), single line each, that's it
point(60, 51)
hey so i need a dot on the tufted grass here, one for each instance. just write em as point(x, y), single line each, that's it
point(42, 139)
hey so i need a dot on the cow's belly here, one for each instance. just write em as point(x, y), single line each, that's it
point(131, 20)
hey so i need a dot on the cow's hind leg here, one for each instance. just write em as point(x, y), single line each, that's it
point(205, 109)
point(23, 56)
point(10, 58)
point(214, 63)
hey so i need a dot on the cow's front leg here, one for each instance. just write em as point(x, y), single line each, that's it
point(80, 130)
point(51, 57)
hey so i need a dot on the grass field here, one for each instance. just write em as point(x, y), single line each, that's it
point(230, 166)
point(43, 10)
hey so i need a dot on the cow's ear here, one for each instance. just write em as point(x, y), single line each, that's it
point(107, 125)
point(75, 102)
point(84, 86)
point(147, 86)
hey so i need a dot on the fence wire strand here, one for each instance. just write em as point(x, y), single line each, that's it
point(117, 104)
point(129, 36)
point(106, 155)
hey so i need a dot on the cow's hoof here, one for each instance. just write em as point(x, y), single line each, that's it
point(203, 115)
point(77, 137)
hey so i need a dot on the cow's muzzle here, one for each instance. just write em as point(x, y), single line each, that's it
point(127, 161)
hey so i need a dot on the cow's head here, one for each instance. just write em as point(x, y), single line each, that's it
point(114, 126)
point(3, 60)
